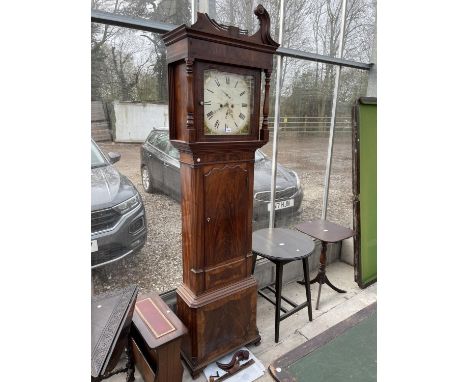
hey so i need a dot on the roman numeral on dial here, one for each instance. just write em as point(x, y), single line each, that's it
point(207, 103)
point(228, 80)
point(217, 82)
point(243, 105)
point(242, 93)
point(217, 124)
point(210, 115)
point(241, 116)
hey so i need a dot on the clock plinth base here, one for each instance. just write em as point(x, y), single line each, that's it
point(218, 322)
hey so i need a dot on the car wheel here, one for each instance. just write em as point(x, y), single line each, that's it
point(146, 180)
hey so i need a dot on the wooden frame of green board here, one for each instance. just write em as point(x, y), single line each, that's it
point(365, 190)
point(280, 368)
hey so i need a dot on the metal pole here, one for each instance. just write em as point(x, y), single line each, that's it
point(193, 12)
point(279, 66)
point(333, 116)
point(159, 27)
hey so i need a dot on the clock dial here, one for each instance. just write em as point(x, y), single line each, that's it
point(227, 103)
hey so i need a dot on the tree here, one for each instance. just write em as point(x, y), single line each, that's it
point(132, 65)
point(119, 57)
point(315, 81)
point(101, 34)
point(169, 11)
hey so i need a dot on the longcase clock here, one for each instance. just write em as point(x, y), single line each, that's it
point(216, 120)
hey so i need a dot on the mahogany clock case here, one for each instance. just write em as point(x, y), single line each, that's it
point(217, 299)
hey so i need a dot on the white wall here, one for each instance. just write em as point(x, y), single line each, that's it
point(133, 121)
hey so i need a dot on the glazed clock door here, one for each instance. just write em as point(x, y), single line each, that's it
point(229, 96)
point(228, 102)
point(226, 214)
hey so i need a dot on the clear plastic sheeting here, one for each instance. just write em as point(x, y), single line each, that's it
point(353, 84)
point(168, 11)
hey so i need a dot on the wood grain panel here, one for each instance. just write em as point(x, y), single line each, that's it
point(192, 228)
point(226, 211)
point(230, 323)
point(230, 311)
point(179, 98)
point(225, 274)
point(147, 372)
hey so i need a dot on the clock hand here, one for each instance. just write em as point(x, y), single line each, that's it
point(227, 95)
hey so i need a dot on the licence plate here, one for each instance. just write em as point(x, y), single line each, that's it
point(94, 246)
point(281, 205)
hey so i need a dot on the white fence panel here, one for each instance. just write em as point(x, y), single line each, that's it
point(134, 121)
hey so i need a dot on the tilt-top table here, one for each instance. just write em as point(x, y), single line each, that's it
point(281, 246)
point(326, 232)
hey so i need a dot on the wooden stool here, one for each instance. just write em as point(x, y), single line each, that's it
point(281, 246)
point(156, 337)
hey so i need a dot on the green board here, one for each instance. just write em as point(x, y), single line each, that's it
point(351, 356)
point(344, 352)
point(365, 189)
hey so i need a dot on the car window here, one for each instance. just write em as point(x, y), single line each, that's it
point(97, 159)
point(160, 139)
point(151, 137)
point(155, 138)
point(161, 142)
point(173, 152)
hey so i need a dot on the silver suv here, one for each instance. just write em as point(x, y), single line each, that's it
point(118, 221)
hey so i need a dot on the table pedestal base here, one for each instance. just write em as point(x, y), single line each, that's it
point(321, 277)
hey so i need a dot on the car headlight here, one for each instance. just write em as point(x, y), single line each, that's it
point(298, 181)
point(128, 205)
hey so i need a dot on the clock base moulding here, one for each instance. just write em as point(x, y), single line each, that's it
point(219, 321)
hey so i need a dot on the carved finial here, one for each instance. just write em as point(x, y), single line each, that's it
point(264, 31)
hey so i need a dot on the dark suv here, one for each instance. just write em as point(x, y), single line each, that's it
point(160, 171)
point(118, 221)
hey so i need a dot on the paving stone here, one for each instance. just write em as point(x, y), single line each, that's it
point(339, 313)
point(290, 342)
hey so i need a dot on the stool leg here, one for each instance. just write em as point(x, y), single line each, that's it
point(305, 266)
point(279, 282)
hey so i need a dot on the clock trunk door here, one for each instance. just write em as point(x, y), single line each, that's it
point(226, 214)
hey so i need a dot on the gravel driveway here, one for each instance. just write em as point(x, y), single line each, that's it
point(158, 267)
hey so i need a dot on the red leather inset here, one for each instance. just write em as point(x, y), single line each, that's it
point(156, 321)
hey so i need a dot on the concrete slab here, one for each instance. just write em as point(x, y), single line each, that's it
point(295, 330)
point(339, 313)
point(290, 342)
